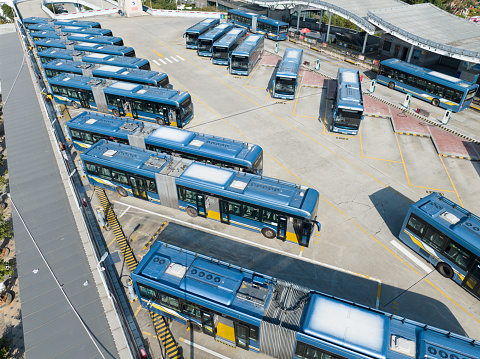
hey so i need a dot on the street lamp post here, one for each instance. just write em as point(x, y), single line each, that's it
point(102, 269)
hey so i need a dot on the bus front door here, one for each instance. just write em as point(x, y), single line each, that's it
point(139, 187)
point(472, 280)
point(224, 214)
point(282, 227)
point(83, 98)
point(202, 211)
point(133, 110)
point(207, 323)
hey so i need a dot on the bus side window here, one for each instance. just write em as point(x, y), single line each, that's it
point(251, 212)
point(459, 255)
point(186, 195)
point(269, 217)
point(75, 134)
point(435, 239)
point(234, 208)
point(120, 177)
point(87, 138)
point(91, 168)
point(416, 225)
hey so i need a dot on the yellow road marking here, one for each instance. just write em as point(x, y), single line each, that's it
point(448, 174)
point(146, 333)
point(109, 244)
point(136, 312)
point(157, 53)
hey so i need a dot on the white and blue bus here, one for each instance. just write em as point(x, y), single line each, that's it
point(153, 104)
point(96, 39)
point(269, 206)
point(286, 79)
point(53, 53)
point(206, 40)
point(64, 22)
point(70, 29)
point(437, 88)
point(348, 106)
point(447, 236)
point(258, 313)
point(192, 33)
point(245, 56)
point(85, 46)
point(259, 24)
point(144, 77)
point(222, 49)
point(88, 128)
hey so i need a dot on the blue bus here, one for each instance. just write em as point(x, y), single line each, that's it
point(222, 49)
point(286, 79)
point(64, 22)
point(447, 236)
point(85, 46)
point(70, 29)
point(272, 207)
point(163, 106)
point(262, 314)
point(88, 128)
point(96, 39)
point(348, 106)
point(53, 53)
point(439, 89)
point(192, 33)
point(245, 57)
point(259, 24)
point(206, 40)
point(144, 77)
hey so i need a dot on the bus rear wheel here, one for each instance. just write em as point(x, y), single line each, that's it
point(435, 102)
point(269, 233)
point(445, 270)
point(160, 121)
point(391, 85)
point(75, 105)
point(192, 212)
point(122, 191)
point(115, 112)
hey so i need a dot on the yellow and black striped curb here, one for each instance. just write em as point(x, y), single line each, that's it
point(424, 119)
point(117, 230)
point(155, 235)
point(461, 157)
point(165, 336)
point(377, 116)
point(474, 106)
point(412, 134)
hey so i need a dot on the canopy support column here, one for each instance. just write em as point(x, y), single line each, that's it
point(328, 29)
point(410, 53)
point(365, 42)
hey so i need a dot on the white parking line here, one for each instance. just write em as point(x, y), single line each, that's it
point(181, 58)
point(174, 59)
point(411, 256)
point(121, 215)
point(169, 60)
point(156, 63)
point(211, 352)
point(163, 62)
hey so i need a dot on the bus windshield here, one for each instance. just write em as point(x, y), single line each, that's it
point(220, 53)
point(285, 85)
point(187, 107)
point(191, 38)
point(204, 45)
point(470, 94)
point(348, 118)
point(240, 62)
point(283, 29)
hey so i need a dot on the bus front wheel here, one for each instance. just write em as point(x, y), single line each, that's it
point(435, 102)
point(75, 105)
point(122, 191)
point(160, 121)
point(192, 212)
point(391, 85)
point(269, 233)
point(115, 112)
point(445, 270)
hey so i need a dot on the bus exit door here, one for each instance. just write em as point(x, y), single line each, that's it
point(207, 324)
point(83, 98)
point(472, 280)
point(282, 227)
point(201, 210)
point(139, 187)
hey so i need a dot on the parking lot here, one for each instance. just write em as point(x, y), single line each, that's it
point(366, 184)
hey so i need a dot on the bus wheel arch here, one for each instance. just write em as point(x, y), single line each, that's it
point(75, 105)
point(435, 102)
point(115, 112)
point(121, 191)
point(192, 212)
point(445, 270)
point(391, 85)
point(269, 233)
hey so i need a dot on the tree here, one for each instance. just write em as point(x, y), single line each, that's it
point(5, 348)
point(5, 227)
point(8, 12)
